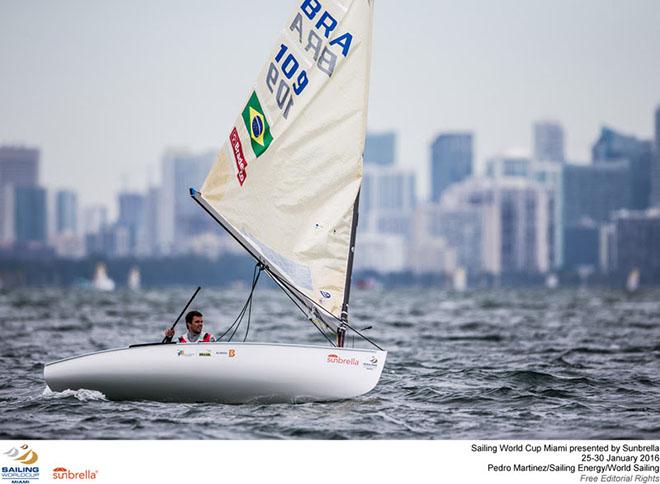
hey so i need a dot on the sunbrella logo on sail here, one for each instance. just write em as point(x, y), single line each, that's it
point(64, 473)
point(25, 455)
point(332, 358)
point(257, 125)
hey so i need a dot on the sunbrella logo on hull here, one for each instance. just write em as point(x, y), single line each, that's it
point(336, 359)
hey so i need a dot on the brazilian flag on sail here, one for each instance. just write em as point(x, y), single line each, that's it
point(257, 125)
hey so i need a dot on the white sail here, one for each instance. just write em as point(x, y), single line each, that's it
point(286, 181)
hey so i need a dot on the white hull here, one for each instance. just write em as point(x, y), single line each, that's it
point(221, 372)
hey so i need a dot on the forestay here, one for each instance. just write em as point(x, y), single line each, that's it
point(286, 180)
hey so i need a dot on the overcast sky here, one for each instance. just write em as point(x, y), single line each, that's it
point(104, 87)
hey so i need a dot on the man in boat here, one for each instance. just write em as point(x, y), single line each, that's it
point(194, 325)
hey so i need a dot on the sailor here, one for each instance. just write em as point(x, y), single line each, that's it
point(194, 325)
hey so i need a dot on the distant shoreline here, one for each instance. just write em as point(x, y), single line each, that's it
point(231, 270)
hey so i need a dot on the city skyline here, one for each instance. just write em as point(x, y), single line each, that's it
point(104, 101)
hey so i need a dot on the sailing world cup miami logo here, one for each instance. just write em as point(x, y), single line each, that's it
point(23, 470)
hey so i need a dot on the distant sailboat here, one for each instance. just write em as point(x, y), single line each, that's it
point(632, 282)
point(459, 280)
point(134, 281)
point(286, 187)
point(552, 281)
point(101, 281)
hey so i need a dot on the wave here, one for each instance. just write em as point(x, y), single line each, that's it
point(83, 395)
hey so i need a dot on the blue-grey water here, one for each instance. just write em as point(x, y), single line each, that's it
point(505, 364)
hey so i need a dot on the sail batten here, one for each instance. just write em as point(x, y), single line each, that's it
point(287, 179)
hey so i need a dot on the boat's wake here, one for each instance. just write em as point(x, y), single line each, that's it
point(83, 395)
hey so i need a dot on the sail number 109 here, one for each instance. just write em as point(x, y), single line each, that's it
point(279, 85)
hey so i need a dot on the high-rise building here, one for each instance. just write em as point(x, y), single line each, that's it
point(612, 146)
point(591, 193)
point(514, 215)
point(508, 166)
point(595, 191)
point(387, 199)
point(148, 234)
point(131, 217)
point(637, 235)
point(550, 175)
point(451, 161)
point(29, 215)
point(655, 184)
point(181, 219)
point(582, 242)
point(379, 149)
point(94, 218)
point(446, 227)
point(66, 212)
point(380, 253)
point(548, 141)
point(19, 166)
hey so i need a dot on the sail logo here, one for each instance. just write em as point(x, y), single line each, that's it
point(336, 359)
point(326, 294)
point(27, 456)
point(25, 473)
point(257, 125)
point(239, 157)
point(64, 473)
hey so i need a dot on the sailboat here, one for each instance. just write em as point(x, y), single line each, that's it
point(101, 281)
point(459, 279)
point(285, 186)
point(632, 281)
point(134, 280)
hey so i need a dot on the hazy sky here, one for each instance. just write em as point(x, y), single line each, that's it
point(104, 87)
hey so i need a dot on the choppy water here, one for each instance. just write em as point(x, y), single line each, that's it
point(499, 364)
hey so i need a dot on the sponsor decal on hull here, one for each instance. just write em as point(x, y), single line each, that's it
point(337, 360)
point(371, 364)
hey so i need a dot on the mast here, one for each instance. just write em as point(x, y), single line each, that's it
point(341, 331)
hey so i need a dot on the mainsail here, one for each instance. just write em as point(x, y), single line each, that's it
point(287, 180)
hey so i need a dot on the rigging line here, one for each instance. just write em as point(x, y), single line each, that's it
point(248, 303)
point(242, 312)
point(285, 291)
point(283, 285)
point(247, 331)
point(283, 282)
point(363, 336)
point(240, 315)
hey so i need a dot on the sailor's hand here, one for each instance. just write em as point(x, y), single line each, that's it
point(169, 333)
